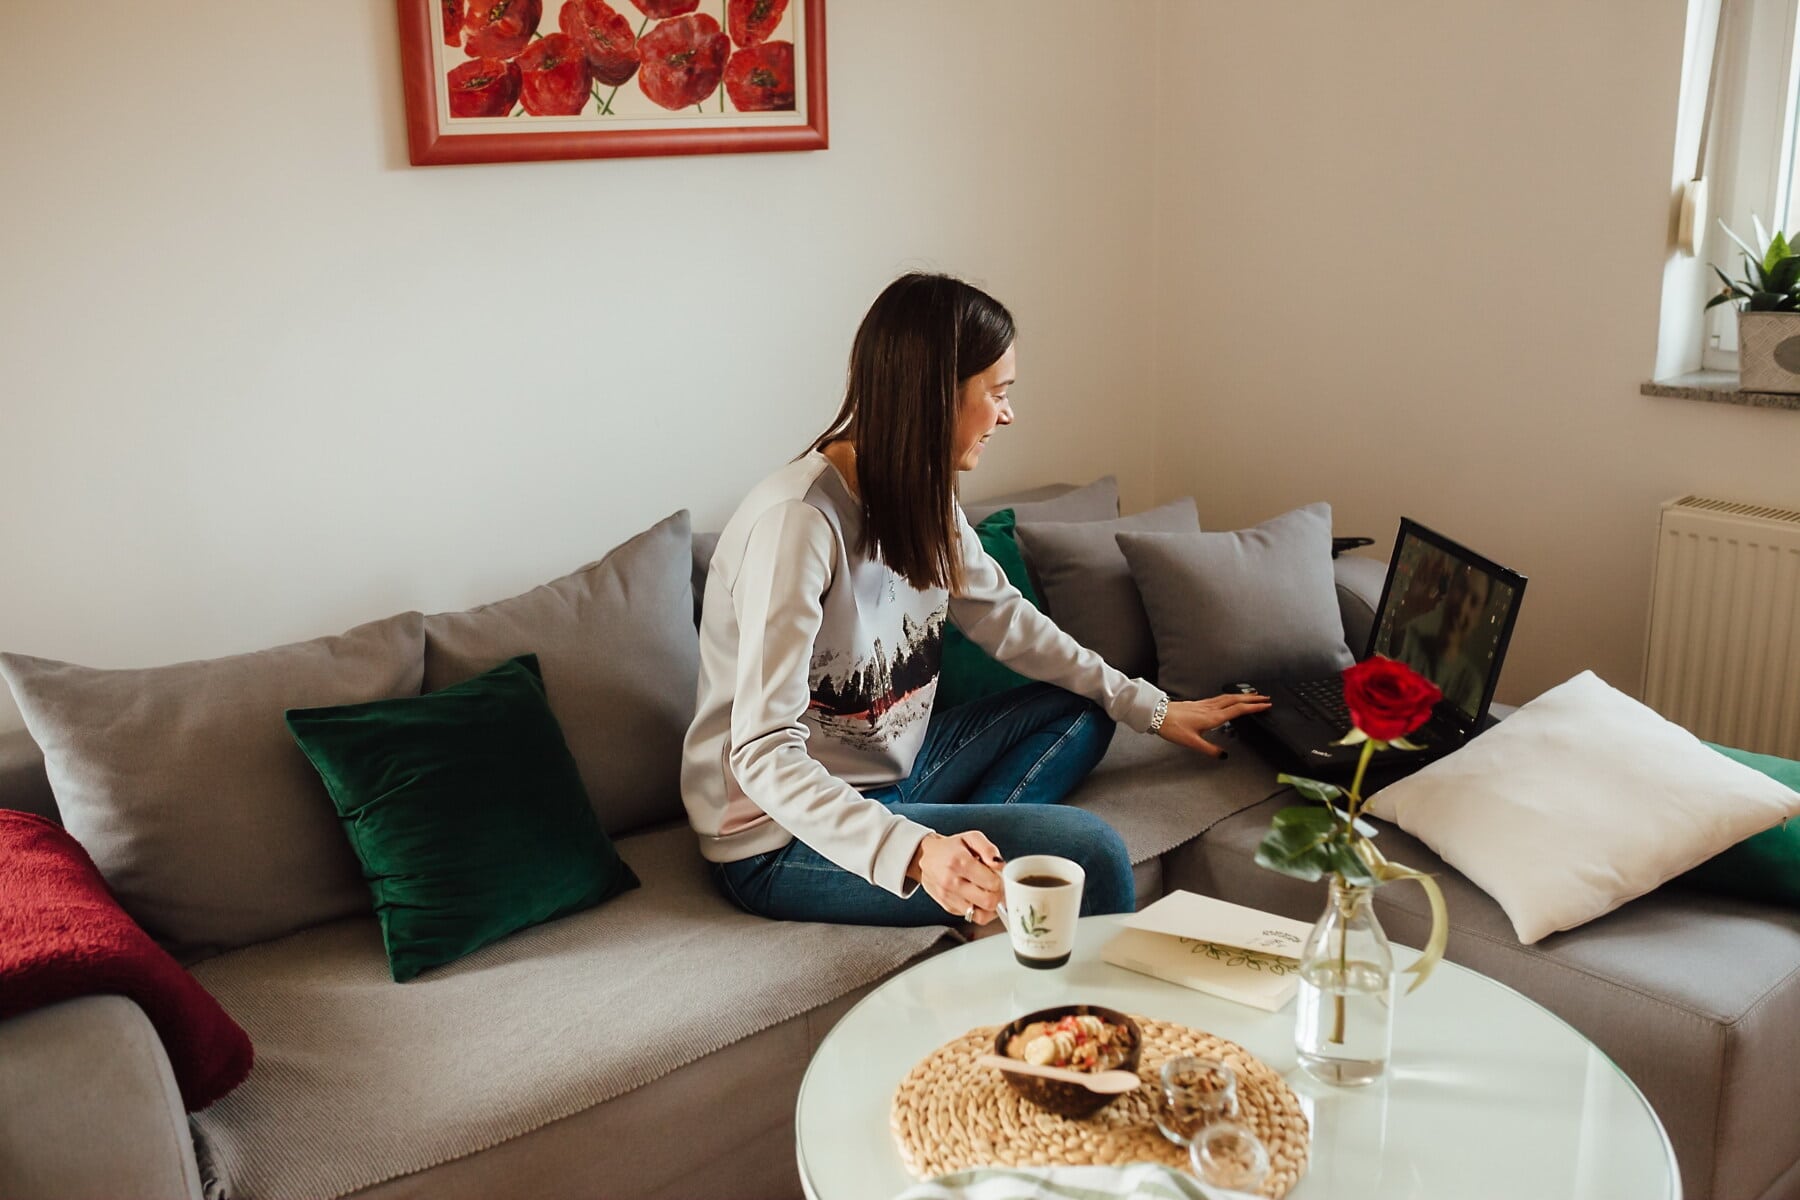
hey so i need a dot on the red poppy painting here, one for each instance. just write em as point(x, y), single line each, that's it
point(518, 80)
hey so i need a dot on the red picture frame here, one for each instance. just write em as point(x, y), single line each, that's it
point(516, 86)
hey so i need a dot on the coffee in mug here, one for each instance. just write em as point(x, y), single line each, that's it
point(1043, 902)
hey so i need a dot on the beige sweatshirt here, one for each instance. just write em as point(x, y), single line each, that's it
point(818, 666)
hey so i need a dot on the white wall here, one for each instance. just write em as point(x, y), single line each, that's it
point(1410, 263)
point(262, 380)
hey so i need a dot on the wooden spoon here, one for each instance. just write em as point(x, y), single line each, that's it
point(1107, 1083)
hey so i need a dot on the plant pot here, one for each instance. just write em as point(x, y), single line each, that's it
point(1769, 351)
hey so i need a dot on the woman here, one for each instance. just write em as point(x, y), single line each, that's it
point(822, 785)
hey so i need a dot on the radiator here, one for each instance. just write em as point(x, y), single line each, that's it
point(1723, 657)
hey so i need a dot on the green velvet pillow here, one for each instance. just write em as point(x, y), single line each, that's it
point(1764, 867)
point(466, 810)
point(967, 673)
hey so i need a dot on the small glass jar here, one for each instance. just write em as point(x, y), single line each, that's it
point(1230, 1161)
point(1196, 1092)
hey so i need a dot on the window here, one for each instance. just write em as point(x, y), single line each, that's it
point(1754, 167)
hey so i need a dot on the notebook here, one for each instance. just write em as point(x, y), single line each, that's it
point(1445, 611)
point(1213, 946)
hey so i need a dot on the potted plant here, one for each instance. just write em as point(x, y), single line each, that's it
point(1344, 1019)
point(1768, 299)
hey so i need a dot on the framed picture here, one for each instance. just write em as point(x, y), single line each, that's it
point(517, 80)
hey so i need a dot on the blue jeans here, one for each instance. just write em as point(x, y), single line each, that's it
point(998, 765)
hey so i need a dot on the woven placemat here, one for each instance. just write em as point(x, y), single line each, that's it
point(950, 1114)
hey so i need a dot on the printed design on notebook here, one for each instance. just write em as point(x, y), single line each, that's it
point(865, 702)
point(1234, 956)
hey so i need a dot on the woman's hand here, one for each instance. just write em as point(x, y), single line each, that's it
point(959, 873)
point(1188, 719)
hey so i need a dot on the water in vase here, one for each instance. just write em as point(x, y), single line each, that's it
point(1344, 1026)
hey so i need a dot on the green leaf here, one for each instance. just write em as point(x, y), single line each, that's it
point(1346, 862)
point(1784, 274)
point(1401, 743)
point(1721, 298)
point(1315, 822)
point(1778, 250)
point(1312, 789)
point(1762, 235)
point(1291, 852)
point(1755, 278)
point(1766, 302)
point(1740, 241)
point(1355, 737)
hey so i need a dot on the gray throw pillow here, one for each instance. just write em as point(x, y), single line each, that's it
point(620, 660)
point(704, 545)
point(1087, 586)
point(1254, 605)
point(1097, 501)
point(208, 823)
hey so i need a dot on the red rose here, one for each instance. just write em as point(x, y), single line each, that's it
point(604, 36)
point(662, 10)
point(553, 77)
point(452, 10)
point(752, 21)
point(761, 78)
point(1388, 699)
point(499, 28)
point(683, 60)
point(485, 87)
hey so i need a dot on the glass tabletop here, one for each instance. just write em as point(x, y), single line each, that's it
point(1487, 1094)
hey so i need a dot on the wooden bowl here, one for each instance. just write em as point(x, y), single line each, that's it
point(1053, 1095)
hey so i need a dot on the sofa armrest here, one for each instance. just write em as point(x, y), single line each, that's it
point(89, 1107)
point(1359, 584)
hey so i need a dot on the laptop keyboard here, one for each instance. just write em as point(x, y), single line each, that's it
point(1325, 697)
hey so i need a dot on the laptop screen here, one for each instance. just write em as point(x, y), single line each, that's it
point(1447, 613)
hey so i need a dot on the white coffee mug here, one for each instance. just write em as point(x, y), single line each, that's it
point(1043, 901)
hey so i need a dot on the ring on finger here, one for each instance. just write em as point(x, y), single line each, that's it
point(970, 915)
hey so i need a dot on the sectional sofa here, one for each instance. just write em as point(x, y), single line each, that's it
point(654, 1046)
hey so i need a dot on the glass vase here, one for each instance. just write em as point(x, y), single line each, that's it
point(1344, 1026)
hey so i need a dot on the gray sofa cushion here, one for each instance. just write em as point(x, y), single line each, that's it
point(1087, 585)
point(620, 660)
point(747, 1150)
point(23, 783)
point(1158, 795)
point(1359, 582)
point(1258, 604)
point(1096, 501)
point(358, 1081)
point(182, 782)
point(704, 545)
point(1695, 997)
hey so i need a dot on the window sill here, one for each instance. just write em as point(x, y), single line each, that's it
point(1717, 387)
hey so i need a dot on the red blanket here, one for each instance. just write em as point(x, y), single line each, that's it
point(63, 935)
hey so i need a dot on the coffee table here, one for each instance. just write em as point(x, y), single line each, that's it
point(1487, 1095)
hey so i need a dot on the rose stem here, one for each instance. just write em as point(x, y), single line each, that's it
point(1337, 1028)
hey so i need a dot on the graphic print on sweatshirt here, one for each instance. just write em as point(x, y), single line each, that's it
point(865, 702)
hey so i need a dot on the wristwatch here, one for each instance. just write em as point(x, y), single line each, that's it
point(1156, 717)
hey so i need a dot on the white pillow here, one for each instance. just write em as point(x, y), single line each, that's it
point(1581, 800)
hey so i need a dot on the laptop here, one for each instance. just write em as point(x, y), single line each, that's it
point(1445, 611)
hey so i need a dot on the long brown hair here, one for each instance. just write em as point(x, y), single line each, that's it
point(923, 337)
